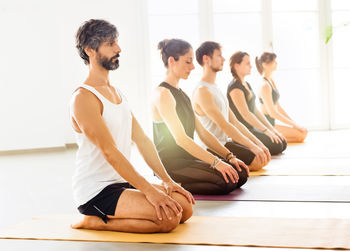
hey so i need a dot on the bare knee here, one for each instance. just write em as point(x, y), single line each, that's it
point(185, 204)
point(166, 225)
point(303, 136)
point(187, 211)
point(299, 138)
point(255, 165)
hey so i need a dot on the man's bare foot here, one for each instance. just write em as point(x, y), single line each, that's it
point(89, 222)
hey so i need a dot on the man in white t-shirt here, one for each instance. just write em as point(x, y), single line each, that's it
point(107, 189)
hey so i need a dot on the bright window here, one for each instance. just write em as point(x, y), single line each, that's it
point(296, 43)
point(341, 63)
point(172, 19)
point(237, 27)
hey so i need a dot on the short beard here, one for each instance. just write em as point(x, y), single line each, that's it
point(216, 69)
point(108, 64)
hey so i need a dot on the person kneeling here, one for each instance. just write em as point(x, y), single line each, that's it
point(106, 187)
point(174, 124)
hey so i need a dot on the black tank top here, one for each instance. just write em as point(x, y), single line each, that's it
point(275, 94)
point(236, 84)
point(162, 137)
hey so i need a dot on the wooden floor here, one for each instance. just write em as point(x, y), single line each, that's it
point(36, 183)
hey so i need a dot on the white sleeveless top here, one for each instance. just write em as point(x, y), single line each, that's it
point(93, 173)
point(222, 104)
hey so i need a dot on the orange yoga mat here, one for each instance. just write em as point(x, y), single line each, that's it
point(210, 230)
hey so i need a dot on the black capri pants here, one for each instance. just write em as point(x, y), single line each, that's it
point(198, 177)
point(274, 148)
point(242, 152)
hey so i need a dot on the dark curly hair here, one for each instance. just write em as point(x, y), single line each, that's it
point(92, 34)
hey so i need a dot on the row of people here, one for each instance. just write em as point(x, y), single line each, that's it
point(108, 190)
point(229, 126)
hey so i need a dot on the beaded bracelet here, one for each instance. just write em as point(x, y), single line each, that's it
point(230, 156)
point(215, 163)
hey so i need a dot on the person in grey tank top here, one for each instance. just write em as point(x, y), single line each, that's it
point(212, 109)
point(105, 124)
point(269, 98)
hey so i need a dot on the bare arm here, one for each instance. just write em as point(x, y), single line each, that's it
point(210, 140)
point(259, 149)
point(282, 111)
point(205, 100)
point(263, 119)
point(275, 135)
point(296, 126)
point(272, 109)
point(237, 97)
point(213, 143)
point(256, 119)
point(148, 150)
point(166, 107)
point(233, 119)
point(150, 155)
point(86, 114)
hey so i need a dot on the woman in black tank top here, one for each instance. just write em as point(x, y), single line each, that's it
point(242, 102)
point(174, 124)
point(269, 99)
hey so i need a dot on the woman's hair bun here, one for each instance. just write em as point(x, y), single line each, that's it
point(162, 44)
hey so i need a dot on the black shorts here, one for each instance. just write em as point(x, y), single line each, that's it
point(105, 202)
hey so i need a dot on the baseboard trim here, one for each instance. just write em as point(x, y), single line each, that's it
point(70, 146)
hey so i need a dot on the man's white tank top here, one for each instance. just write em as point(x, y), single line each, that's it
point(222, 104)
point(93, 173)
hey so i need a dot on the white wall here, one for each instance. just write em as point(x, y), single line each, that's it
point(40, 67)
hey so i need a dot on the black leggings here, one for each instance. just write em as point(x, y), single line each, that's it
point(242, 152)
point(274, 148)
point(197, 177)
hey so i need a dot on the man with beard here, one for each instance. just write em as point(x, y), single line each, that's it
point(106, 187)
point(212, 108)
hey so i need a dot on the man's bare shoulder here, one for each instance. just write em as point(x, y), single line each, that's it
point(82, 99)
point(203, 91)
point(82, 95)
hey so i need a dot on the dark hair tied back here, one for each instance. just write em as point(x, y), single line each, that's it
point(173, 48)
point(266, 57)
point(162, 45)
point(258, 65)
point(236, 58)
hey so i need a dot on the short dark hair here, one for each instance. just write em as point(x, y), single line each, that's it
point(173, 48)
point(92, 34)
point(206, 48)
